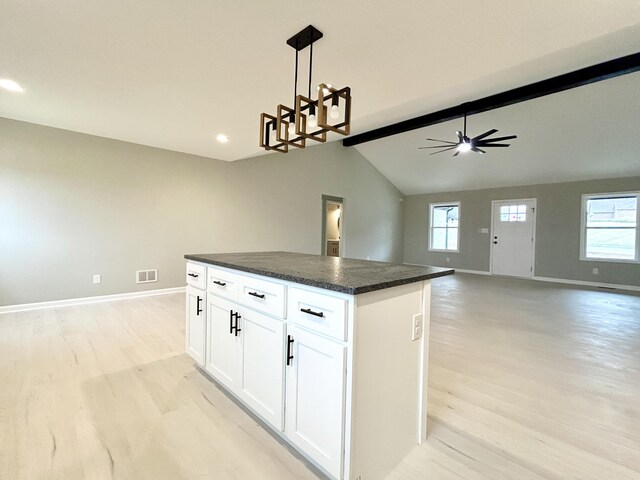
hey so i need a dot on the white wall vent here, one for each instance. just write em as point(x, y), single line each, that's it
point(146, 276)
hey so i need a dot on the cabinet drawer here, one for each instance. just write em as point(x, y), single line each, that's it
point(262, 295)
point(196, 275)
point(321, 313)
point(222, 283)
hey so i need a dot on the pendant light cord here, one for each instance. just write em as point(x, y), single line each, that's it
point(295, 85)
point(310, 67)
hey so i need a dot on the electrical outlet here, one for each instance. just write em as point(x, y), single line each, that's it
point(418, 326)
point(97, 279)
point(596, 271)
point(448, 259)
point(367, 257)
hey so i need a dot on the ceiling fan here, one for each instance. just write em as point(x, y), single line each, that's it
point(465, 144)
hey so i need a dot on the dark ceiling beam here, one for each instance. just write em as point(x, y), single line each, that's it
point(566, 81)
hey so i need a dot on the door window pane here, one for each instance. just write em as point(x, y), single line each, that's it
point(513, 213)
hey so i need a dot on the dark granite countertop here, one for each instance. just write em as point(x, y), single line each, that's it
point(346, 275)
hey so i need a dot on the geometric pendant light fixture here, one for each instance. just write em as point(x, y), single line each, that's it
point(308, 118)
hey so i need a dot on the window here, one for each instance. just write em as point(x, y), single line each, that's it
point(444, 230)
point(513, 213)
point(610, 227)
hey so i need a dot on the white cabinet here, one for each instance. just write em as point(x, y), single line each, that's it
point(245, 353)
point(196, 324)
point(341, 378)
point(263, 357)
point(223, 344)
point(316, 397)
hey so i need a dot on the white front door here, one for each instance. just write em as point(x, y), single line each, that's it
point(513, 237)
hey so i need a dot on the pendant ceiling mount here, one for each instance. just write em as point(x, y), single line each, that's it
point(466, 144)
point(308, 119)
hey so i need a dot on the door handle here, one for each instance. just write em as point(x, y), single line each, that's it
point(255, 294)
point(198, 309)
point(238, 317)
point(289, 349)
point(495, 243)
point(311, 312)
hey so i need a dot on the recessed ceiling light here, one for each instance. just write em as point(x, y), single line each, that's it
point(222, 138)
point(10, 85)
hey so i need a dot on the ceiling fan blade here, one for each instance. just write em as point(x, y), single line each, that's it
point(460, 136)
point(485, 134)
point(456, 154)
point(478, 150)
point(487, 145)
point(443, 141)
point(498, 139)
point(446, 149)
point(439, 146)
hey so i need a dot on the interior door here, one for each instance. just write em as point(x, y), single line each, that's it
point(513, 237)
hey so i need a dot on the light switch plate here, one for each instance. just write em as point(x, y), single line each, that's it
point(97, 279)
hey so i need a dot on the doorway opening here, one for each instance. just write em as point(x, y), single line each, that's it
point(513, 237)
point(332, 226)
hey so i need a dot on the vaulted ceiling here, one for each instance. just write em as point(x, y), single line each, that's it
point(175, 74)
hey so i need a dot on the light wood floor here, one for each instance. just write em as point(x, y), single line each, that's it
point(528, 381)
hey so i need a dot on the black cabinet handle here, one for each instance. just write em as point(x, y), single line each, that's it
point(194, 275)
point(289, 349)
point(222, 284)
point(311, 312)
point(238, 317)
point(198, 309)
point(231, 314)
point(255, 294)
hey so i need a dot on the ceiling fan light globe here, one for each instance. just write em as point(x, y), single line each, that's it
point(464, 147)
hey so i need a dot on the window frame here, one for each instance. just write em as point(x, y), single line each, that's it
point(430, 228)
point(583, 226)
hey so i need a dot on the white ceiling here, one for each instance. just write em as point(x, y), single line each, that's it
point(585, 133)
point(174, 74)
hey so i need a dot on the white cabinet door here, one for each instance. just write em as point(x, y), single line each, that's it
point(315, 398)
point(223, 346)
point(196, 321)
point(263, 345)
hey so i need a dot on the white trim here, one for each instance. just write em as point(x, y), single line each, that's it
point(583, 227)
point(458, 204)
point(458, 270)
point(616, 286)
point(567, 281)
point(474, 272)
point(533, 232)
point(84, 300)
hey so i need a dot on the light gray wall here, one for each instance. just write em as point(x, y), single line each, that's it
point(557, 230)
point(74, 205)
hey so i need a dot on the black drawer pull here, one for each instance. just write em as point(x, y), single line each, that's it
point(198, 309)
point(311, 312)
point(222, 284)
point(289, 349)
point(194, 275)
point(231, 314)
point(256, 294)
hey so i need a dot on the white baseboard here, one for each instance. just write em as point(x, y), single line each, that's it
point(458, 270)
point(80, 301)
point(475, 272)
point(616, 286)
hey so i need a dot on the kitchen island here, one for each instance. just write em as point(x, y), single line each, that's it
point(331, 353)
